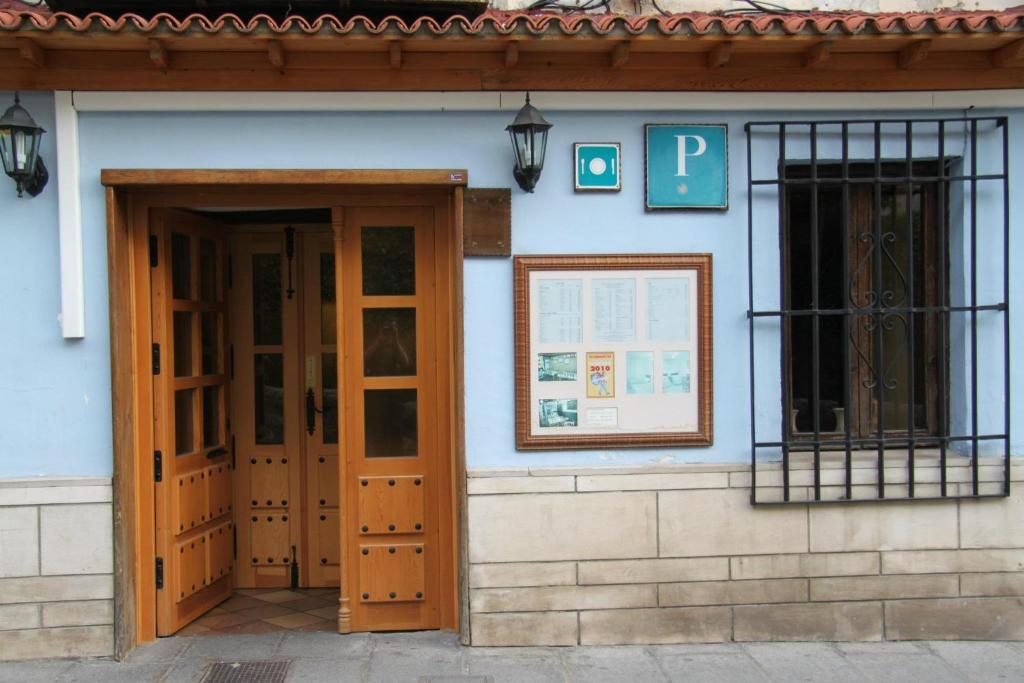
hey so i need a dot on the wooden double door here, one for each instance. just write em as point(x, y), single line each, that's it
point(307, 422)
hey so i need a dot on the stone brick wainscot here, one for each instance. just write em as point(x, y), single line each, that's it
point(56, 568)
point(677, 554)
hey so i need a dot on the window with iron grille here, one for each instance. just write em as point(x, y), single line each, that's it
point(879, 326)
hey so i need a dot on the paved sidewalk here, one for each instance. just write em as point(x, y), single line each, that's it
point(437, 658)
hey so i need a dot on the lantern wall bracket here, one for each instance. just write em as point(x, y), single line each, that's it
point(34, 185)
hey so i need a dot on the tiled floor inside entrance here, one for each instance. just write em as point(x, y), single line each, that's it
point(265, 610)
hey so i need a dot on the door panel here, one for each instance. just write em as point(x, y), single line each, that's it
point(190, 406)
point(391, 430)
point(392, 573)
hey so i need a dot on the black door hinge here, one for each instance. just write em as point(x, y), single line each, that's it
point(156, 359)
point(231, 361)
point(158, 466)
point(159, 573)
point(154, 258)
point(231, 272)
point(232, 451)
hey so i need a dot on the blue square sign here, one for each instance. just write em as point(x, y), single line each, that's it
point(687, 166)
point(597, 166)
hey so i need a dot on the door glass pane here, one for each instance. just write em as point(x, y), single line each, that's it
point(183, 421)
point(266, 298)
point(390, 422)
point(208, 271)
point(389, 261)
point(181, 266)
point(182, 344)
point(389, 342)
point(328, 326)
point(269, 399)
point(209, 343)
point(211, 416)
point(329, 381)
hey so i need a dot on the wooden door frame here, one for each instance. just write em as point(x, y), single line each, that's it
point(130, 193)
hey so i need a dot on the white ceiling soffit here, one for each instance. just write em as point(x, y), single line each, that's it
point(550, 101)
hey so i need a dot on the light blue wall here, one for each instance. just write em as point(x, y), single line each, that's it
point(54, 395)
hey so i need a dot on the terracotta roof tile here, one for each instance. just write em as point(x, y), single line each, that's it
point(18, 6)
point(15, 16)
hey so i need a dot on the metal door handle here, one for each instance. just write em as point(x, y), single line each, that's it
point(311, 411)
point(216, 453)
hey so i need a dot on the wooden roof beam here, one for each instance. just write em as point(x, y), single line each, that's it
point(276, 54)
point(31, 52)
point(817, 55)
point(395, 54)
point(620, 55)
point(158, 53)
point(914, 53)
point(719, 55)
point(1008, 53)
point(511, 54)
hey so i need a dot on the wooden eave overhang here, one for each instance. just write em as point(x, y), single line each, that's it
point(516, 51)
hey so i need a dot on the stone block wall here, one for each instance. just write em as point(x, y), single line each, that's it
point(56, 568)
point(676, 554)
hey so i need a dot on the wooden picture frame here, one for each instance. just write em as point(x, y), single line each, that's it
point(559, 425)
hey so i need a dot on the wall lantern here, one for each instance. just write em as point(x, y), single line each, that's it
point(529, 133)
point(19, 149)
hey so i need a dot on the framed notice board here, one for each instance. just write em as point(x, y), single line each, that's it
point(613, 351)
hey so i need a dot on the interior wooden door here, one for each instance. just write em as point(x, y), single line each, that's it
point(395, 426)
point(266, 374)
point(284, 378)
point(193, 472)
point(320, 409)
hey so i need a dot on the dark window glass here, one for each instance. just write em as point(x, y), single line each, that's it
point(329, 368)
point(211, 416)
point(181, 266)
point(209, 343)
point(208, 290)
point(389, 261)
point(328, 325)
point(266, 295)
point(390, 423)
point(182, 344)
point(389, 342)
point(269, 399)
point(871, 388)
point(184, 429)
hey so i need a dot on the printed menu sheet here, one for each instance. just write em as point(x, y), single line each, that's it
point(668, 309)
point(614, 309)
point(560, 311)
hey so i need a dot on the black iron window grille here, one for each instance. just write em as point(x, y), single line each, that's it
point(879, 293)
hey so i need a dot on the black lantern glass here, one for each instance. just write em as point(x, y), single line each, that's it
point(19, 149)
point(529, 133)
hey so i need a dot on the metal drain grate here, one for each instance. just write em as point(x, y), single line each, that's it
point(247, 672)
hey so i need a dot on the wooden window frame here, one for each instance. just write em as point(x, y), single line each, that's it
point(932, 230)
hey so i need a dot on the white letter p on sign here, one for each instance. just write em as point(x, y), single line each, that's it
point(702, 146)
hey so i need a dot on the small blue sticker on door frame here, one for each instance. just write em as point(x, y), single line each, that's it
point(686, 166)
